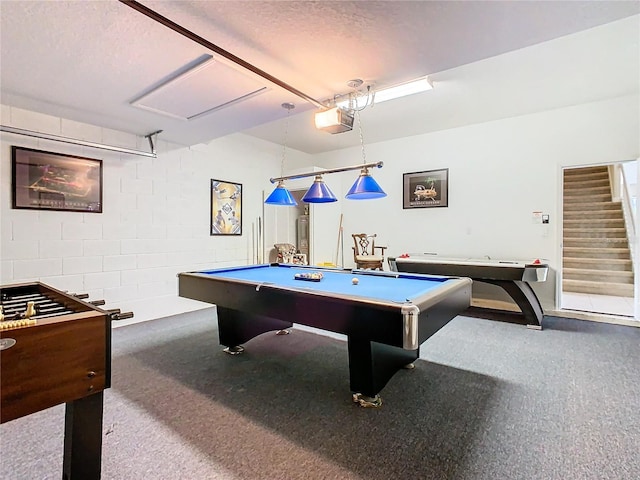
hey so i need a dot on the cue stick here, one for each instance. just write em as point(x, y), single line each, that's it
point(260, 242)
point(342, 246)
point(338, 246)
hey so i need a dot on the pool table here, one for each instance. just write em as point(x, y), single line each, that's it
point(513, 276)
point(385, 316)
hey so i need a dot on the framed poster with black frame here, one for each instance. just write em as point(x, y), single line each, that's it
point(425, 189)
point(55, 181)
point(226, 208)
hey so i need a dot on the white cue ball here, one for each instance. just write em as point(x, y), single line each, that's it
point(355, 281)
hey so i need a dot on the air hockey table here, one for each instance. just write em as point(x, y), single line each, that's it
point(513, 276)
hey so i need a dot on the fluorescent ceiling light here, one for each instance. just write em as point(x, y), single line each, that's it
point(421, 84)
point(416, 86)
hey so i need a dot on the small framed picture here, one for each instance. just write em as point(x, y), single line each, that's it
point(226, 208)
point(426, 189)
point(53, 181)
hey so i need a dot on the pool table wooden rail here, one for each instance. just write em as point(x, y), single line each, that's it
point(334, 312)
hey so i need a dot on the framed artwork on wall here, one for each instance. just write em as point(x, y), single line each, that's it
point(54, 181)
point(226, 208)
point(425, 189)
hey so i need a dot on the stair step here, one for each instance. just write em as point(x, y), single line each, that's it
point(587, 182)
point(600, 223)
point(600, 288)
point(613, 214)
point(588, 206)
point(589, 178)
point(585, 178)
point(613, 233)
point(596, 243)
point(613, 264)
point(587, 168)
point(596, 253)
point(583, 171)
point(581, 190)
point(594, 198)
point(606, 276)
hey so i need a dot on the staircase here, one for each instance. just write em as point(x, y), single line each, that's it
point(595, 258)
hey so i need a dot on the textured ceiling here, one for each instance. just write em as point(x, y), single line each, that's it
point(87, 61)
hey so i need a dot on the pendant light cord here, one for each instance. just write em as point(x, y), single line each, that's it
point(288, 107)
point(364, 158)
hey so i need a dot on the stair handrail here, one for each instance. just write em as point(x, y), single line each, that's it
point(628, 213)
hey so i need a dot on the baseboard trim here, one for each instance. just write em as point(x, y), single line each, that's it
point(595, 317)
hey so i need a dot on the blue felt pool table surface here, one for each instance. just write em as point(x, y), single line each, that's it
point(394, 288)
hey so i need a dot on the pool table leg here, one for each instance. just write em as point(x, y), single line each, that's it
point(372, 364)
point(235, 327)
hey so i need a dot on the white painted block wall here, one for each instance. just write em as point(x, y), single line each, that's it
point(155, 220)
point(499, 173)
point(156, 215)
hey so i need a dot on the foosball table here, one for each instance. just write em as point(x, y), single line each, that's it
point(55, 348)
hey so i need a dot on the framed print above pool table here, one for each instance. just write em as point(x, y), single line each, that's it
point(425, 189)
point(226, 208)
point(54, 181)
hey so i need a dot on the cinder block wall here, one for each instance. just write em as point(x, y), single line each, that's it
point(155, 220)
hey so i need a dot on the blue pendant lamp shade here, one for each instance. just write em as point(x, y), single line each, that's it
point(365, 187)
point(281, 196)
point(319, 193)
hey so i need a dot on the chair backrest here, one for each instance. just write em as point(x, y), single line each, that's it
point(364, 243)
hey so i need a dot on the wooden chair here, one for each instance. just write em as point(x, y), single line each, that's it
point(364, 251)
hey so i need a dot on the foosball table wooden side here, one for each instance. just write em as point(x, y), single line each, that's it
point(61, 354)
point(53, 362)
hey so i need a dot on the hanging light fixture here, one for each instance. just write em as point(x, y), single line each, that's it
point(365, 186)
point(280, 195)
point(319, 193)
point(319, 183)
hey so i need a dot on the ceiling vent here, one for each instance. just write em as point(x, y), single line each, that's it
point(208, 85)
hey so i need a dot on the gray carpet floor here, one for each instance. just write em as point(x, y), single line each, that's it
point(488, 400)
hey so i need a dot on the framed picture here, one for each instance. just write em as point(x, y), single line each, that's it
point(53, 181)
point(226, 208)
point(425, 189)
